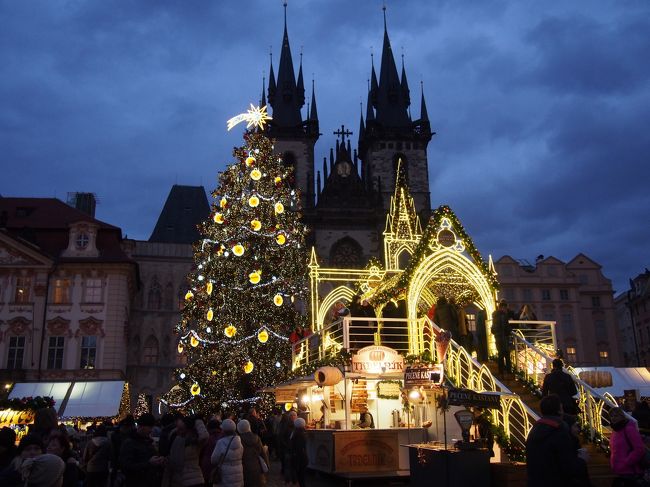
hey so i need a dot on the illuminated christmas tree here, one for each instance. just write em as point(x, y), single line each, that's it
point(247, 284)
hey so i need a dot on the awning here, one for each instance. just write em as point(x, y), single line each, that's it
point(98, 399)
point(623, 378)
point(55, 390)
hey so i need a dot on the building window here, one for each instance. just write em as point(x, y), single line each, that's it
point(564, 294)
point(88, 352)
point(82, 241)
point(168, 297)
point(528, 295)
point(93, 291)
point(55, 353)
point(16, 353)
point(595, 301)
point(546, 294)
point(567, 324)
point(603, 357)
point(23, 287)
point(150, 355)
point(154, 298)
point(571, 354)
point(61, 291)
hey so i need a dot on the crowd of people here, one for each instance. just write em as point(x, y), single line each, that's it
point(231, 450)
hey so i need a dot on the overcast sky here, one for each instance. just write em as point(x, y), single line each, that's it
point(542, 109)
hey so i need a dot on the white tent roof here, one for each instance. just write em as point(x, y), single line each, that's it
point(94, 399)
point(56, 390)
point(623, 378)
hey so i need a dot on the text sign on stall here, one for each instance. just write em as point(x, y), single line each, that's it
point(377, 360)
point(466, 397)
point(431, 375)
point(10, 416)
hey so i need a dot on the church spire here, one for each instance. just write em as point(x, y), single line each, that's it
point(405, 85)
point(263, 98)
point(313, 115)
point(290, 95)
point(424, 115)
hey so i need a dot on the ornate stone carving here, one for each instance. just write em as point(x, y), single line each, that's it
point(90, 326)
point(18, 326)
point(11, 256)
point(59, 327)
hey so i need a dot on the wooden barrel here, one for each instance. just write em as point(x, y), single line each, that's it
point(328, 376)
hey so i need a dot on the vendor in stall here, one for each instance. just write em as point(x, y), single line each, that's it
point(366, 421)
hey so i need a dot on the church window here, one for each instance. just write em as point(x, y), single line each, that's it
point(155, 295)
point(346, 253)
point(289, 159)
point(168, 297)
point(150, 352)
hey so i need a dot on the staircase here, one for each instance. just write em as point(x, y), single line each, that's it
point(600, 472)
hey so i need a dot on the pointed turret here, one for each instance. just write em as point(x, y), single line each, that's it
point(288, 97)
point(263, 99)
point(362, 126)
point(313, 115)
point(272, 85)
point(424, 115)
point(405, 85)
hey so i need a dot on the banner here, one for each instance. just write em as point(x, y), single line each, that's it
point(377, 360)
point(431, 375)
point(466, 397)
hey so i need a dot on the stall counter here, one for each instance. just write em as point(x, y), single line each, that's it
point(362, 452)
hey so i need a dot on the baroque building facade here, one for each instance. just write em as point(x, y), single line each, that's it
point(66, 287)
point(633, 310)
point(576, 295)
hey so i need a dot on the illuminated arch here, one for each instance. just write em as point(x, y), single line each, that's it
point(341, 293)
point(435, 264)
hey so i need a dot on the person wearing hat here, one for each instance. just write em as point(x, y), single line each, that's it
point(254, 455)
point(30, 447)
point(138, 460)
point(227, 456)
point(299, 459)
point(43, 471)
point(501, 330)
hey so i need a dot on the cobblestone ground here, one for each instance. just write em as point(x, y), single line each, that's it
point(321, 480)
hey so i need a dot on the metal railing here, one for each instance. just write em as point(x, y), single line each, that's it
point(533, 360)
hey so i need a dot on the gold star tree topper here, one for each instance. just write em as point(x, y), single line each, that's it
point(255, 116)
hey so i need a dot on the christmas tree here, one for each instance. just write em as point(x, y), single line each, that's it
point(248, 281)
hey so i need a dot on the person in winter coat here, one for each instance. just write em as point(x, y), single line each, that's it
point(446, 317)
point(214, 433)
point(183, 459)
point(552, 459)
point(43, 471)
point(627, 449)
point(254, 476)
point(138, 459)
point(59, 444)
point(228, 455)
point(501, 329)
point(481, 336)
point(299, 458)
point(284, 443)
point(30, 447)
point(96, 458)
point(560, 383)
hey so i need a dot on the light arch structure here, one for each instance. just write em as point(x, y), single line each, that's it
point(341, 293)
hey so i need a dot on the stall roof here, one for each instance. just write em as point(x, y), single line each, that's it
point(94, 399)
point(623, 378)
point(56, 390)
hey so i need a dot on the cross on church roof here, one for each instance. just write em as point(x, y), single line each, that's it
point(343, 133)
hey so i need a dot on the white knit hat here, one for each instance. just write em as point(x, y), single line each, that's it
point(243, 426)
point(228, 426)
point(299, 423)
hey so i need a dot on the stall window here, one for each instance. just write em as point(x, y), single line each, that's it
point(88, 352)
point(23, 287)
point(93, 291)
point(61, 291)
point(55, 353)
point(16, 353)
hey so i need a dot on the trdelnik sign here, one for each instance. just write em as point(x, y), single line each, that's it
point(377, 360)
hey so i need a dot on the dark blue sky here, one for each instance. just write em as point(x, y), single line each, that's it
point(542, 109)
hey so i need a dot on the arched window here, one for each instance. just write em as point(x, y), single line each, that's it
point(168, 297)
point(180, 297)
point(403, 258)
point(346, 253)
point(150, 352)
point(155, 295)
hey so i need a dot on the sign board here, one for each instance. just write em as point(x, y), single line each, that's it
point(423, 376)
point(377, 360)
point(285, 395)
point(389, 389)
point(366, 451)
point(10, 416)
point(466, 397)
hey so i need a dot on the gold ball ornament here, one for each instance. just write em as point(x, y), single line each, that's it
point(256, 225)
point(281, 239)
point(214, 372)
point(248, 368)
point(253, 201)
point(218, 218)
point(278, 180)
point(195, 390)
point(250, 160)
point(189, 295)
point(256, 175)
point(254, 277)
point(263, 336)
point(288, 406)
point(208, 288)
point(180, 347)
point(279, 208)
point(278, 300)
point(238, 250)
point(223, 202)
point(230, 331)
point(194, 341)
point(209, 315)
